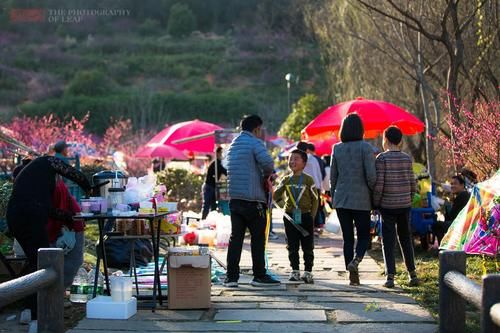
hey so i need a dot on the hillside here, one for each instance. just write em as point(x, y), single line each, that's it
point(137, 71)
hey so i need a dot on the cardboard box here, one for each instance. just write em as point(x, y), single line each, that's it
point(103, 307)
point(189, 282)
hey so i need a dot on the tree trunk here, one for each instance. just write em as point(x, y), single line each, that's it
point(430, 131)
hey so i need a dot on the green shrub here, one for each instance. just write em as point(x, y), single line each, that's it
point(181, 21)
point(181, 184)
point(5, 191)
point(149, 27)
point(90, 83)
point(307, 108)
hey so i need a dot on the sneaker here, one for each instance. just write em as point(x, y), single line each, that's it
point(389, 283)
point(273, 236)
point(230, 284)
point(307, 277)
point(294, 276)
point(265, 280)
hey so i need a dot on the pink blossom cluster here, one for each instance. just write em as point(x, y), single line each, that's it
point(475, 137)
point(40, 133)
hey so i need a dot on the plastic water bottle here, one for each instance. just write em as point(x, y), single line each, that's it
point(79, 288)
point(100, 283)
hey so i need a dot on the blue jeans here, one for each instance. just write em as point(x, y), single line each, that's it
point(209, 202)
point(361, 219)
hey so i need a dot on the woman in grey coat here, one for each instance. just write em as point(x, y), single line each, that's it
point(352, 178)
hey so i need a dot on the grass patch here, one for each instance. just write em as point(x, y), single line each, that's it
point(91, 237)
point(427, 293)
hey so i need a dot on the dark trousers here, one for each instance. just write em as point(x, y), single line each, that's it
point(397, 222)
point(209, 202)
point(251, 215)
point(439, 229)
point(361, 219)
point(30, 239)
point(294, 240)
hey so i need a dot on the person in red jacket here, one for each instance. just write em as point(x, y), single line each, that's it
point(62, 199)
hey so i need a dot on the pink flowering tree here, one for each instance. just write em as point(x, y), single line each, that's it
point(40, 133)
point(475, 139)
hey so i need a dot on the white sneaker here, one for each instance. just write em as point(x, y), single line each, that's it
point(307, 277)
point(294, 276)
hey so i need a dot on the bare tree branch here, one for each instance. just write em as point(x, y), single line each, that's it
point(469, 19)
point(420, 27)
point(435, 62)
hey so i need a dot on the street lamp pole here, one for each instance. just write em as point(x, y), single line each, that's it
point(288, 78)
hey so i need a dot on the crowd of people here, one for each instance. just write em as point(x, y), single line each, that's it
point(357, 178)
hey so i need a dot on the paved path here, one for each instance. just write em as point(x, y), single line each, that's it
point(330, 305)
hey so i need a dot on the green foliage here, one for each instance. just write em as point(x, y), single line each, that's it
point(305, 110)
point(90, 83)
point(181, 184)
point(220, 106)
point(5, 191)
point(149, 27)
point(214, 77)
point(181, 21)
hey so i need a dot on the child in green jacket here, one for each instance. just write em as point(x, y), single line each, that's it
point(301, 204)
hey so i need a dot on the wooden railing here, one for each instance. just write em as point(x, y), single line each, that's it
point(455, 289)
point(47, 282)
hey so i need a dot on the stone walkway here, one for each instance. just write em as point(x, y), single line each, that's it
point(330, 305)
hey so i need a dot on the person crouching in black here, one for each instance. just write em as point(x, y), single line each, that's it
point(29, 208)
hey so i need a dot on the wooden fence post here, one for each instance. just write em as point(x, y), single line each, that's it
point(490, 296)
point(51, 298)
point(451, 305)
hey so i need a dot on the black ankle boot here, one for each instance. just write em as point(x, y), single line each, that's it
point(353, 265)
point(354, 279)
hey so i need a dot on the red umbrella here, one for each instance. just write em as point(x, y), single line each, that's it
point(169, 152)
point(323, 144)
point(188, 129)
point(376, 117)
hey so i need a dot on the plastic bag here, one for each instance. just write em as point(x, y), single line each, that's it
point(332, 223)
point(436, 202)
